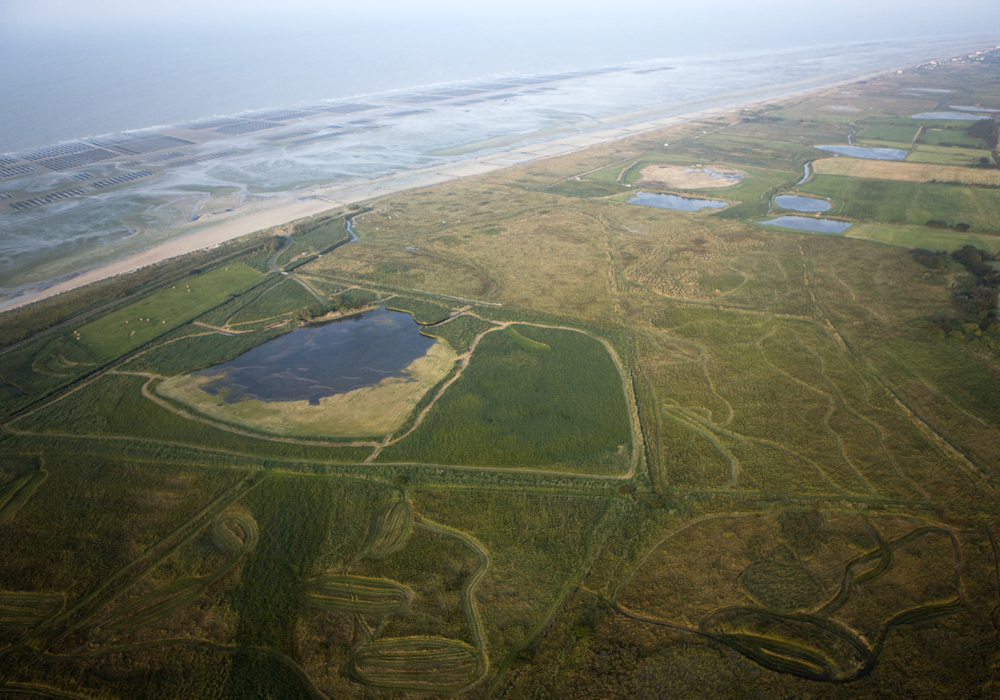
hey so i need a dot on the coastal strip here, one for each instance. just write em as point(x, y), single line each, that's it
point(286, 209)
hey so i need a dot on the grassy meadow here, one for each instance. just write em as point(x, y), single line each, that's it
point(653, 454)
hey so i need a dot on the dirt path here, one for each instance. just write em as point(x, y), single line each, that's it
point(309, 288)
point(272, 261)
point(469, 589)
point(146, 393)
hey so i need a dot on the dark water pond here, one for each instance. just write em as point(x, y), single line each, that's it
point(808, 223)
point(866, 152)
point(955, 116)
point(797, 203)
point(674, 201)
point(322, 360)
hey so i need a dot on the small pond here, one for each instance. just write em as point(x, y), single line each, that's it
point(808, 223)
point(322, 360)
point(967, 108)
point(868, 153)
point(798, 203)
point(673, 201)
point(955, 116)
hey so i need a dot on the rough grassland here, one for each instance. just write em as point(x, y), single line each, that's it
point(278, 300)
point(813, 510)
point(366, 412)
point(561, 409)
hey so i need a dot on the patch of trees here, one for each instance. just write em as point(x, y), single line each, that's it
point(350, 300)
point(938, 223)
point(976, 302)
point(935, 260)
point(981, 297)
point(986, 129)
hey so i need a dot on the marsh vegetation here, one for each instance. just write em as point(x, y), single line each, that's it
point(640, 452)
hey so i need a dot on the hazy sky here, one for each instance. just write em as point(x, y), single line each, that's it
point(582, 33)
point(144, 62)
point(831, 21)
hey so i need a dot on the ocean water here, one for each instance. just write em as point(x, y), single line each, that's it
point(135, 84)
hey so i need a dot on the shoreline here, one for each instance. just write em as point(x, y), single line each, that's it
point(263, 215)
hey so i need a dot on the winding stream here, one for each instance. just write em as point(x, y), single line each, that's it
point(805, 172)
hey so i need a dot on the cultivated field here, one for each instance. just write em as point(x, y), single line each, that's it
point(907, 172)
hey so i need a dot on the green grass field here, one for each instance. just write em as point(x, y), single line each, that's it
point(113, 406)
point(284, 298)
point(520, 408)
point(196, 348)
point(888, 201)
point(138, 323)
point(941, 155)
point(949, 136)
point(888, 132)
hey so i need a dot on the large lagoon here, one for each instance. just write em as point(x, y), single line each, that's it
point(316, 361)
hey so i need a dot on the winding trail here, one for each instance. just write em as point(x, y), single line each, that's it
point(272, 262)
point(469, 589)
point(32, 645)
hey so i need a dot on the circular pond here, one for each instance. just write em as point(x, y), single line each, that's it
point(798, 203)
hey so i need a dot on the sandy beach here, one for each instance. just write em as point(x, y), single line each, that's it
point(264, 214)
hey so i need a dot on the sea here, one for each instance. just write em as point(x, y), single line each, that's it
point(417, 105)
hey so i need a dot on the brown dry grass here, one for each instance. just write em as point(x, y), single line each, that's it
point(499, 244)
point(907, 172)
